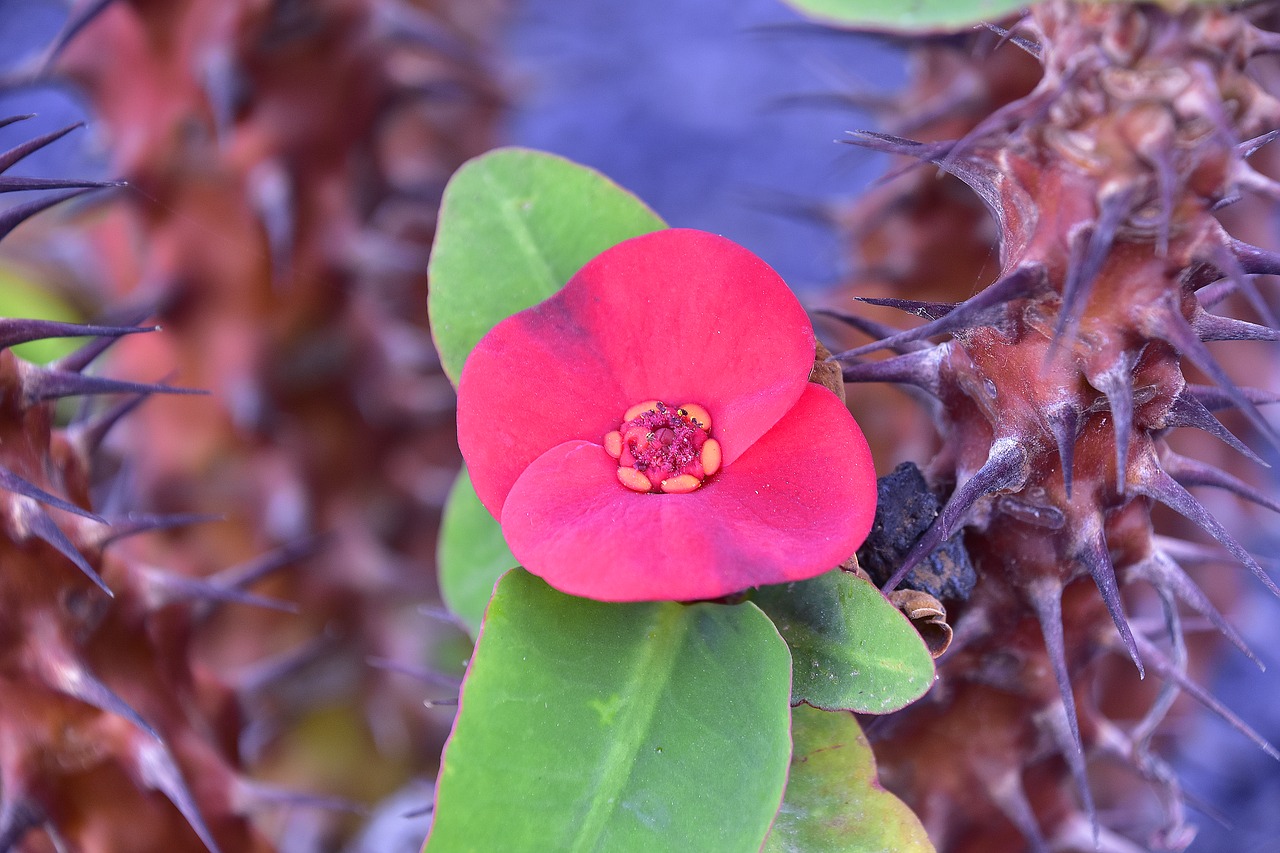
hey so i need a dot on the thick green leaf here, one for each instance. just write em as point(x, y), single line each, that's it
point(515, 225)
point(588, 726)
point(914, 16)
point(834, 802)
point(852, 649)
point(472, 554)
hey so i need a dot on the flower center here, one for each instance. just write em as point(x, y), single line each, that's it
point(664, 448)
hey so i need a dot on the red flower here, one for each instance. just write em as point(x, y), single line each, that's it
point(650, 433)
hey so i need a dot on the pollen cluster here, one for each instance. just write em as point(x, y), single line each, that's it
point(664, 448)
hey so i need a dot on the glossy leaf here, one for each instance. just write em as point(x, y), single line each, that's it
point(834, 802)
point(472, 554)
point(852, 649)
point(590, 726)
point(916, 16)
point(514, 226)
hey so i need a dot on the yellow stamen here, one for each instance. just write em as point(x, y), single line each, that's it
point(639, 409)
point(697, 414)
point(613, 444)
point(634, 480)
point(710, 457)
point(681, 485)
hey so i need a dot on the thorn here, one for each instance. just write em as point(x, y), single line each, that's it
point(251, 571)
point(1045, 596)
point(14, 216)
point(1225, 201)
point(1238, 260)
point(1094, 556)
point(18, 152)
point(76, 22)
point(983, 180)
point(1170, 326)
point(1162, 572)
point(11, 482)
point(133, 523)
point(421, 811)
point(921, 368)
point(1140, 735)
point(1248, 178)
point(16, 184)
point(37, 523)
point(1211, 327)
point(442, 614)
point(1226, 260)
point(967, 313)
point(927, 310)
point(1192, 472)
point(1090, 246)
point(8, 120)
point(1035, 104)
point(245, 574)
point(1215, 399)
point(85, 355)
point(1005, 469)
point(160, 772)
point(67, 675)
point(1007, 36)
point(870, 328)
point(1212, 294)
point(1116, 384)
point(1195, 552)
point(20, 331)
point(89, 435)
point(1188, 411)
point(1156, 484)
point(1253, 260)
point(1165, 669)
point(43, 384)
point(1010, 797)
point(1249, 147)
point(166, 589)
point(888, 144)
point(254, 794)
point(1064, 422)
point(258, 676)
point(426, 676)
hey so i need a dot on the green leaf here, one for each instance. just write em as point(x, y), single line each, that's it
point(20, 296)
point(852, 649)
point(916, 16)
point(588, 726)
point(834, 801)
point(515, 225)
point(472, 554)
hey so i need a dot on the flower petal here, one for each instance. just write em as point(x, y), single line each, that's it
point(796, 504)
point(686, 316)
point(535, 381)
point(677, 315)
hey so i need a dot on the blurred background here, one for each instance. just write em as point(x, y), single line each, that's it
point(284, 161)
